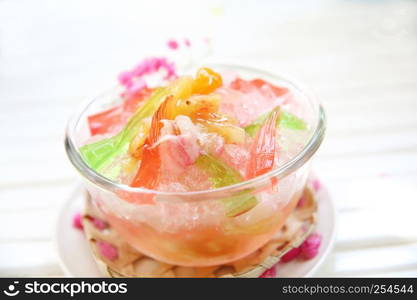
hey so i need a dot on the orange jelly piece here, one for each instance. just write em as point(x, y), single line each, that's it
point(206, 81)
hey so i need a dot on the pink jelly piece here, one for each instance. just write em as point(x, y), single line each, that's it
point(290, 255)
point(316, 184)
point(99, 224)
point(107, 250)
point(270, 273)
point(172, 44)
point(310, 248)
point(76, 221)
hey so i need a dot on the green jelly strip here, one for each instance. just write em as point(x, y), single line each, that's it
point(101, 154)
point(285, 120)
point(223, 175)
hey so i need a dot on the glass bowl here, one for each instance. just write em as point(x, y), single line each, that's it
point(192, 228)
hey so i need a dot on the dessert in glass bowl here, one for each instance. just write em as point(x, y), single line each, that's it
point(197, 169)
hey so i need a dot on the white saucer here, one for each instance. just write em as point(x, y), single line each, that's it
point(77, 261)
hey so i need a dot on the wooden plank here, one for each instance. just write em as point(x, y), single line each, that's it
point(34, 198)
point(368, 262)
point(29, 259)
point(28, 225)
point(362, 166)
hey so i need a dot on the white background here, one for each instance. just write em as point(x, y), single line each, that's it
point(360, 58)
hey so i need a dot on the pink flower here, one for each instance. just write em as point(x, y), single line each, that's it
point(270, 273)
point(125, 77)
point(137, 86)
point(107, 250)
point(141, 69)
point(170, 68)
point(310, 248)
point(290, 255)
point(99, 224)
point(154, 64)
point(77, 221)
point(172, 44)
point(316, 184)
point(133, 80)
point(187, 42)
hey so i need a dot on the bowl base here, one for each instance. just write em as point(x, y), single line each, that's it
point(80, 255)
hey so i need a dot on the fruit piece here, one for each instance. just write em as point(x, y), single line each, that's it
point(206, 81)
point(291, 121)
point(105, 121)
point(285, 120)
point(149, 170)
point(102, 122)
point(212, 143)
point(254, 127)
point(164, 112)
point(135, 146)
point(223, 126)
point(262, 153)
point(182, 150)
point(178, 146)
point(148, 173)
point(198, 104)
point(100, 154)
point(242, 85)
point(220, 174)
point(236, 156)
point(277, 90)
point(169, 110)
point(247, 86)
point(131, 104)
point(185, 141)
point(148, 176)
point(239, 204)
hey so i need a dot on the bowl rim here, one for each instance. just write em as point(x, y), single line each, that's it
point(293, 164)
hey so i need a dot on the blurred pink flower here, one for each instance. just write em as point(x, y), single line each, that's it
point(290, 255)
point(99, 224)
point(270, 273)
point(107, 250)
point(77, 221)
point(316, 184)
point(172, 44)
point(310, 248)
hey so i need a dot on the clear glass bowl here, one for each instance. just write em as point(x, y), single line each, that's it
point(191, 228)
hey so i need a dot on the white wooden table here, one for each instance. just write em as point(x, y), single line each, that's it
point(358, 56)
